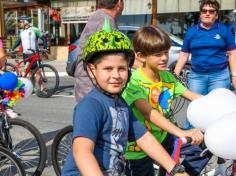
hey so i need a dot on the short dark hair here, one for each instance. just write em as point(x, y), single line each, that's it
point(107, 4)
point(99, 56)
point(212, 3)
point(150, 40)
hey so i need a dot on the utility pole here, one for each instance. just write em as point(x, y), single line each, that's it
point(96, 4)
point(154, 12)
point(1, 19)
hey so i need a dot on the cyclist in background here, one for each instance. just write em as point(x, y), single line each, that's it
point(29, 39)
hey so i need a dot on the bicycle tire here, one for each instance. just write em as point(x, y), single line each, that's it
point(51, 82)
point(60, 146)
point(8, 159)
point(23, 146)
point(11, 68)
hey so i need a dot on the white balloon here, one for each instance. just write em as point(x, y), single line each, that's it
point(222, 93)
point(220, 137)
point(208, 109)
point(28, 86)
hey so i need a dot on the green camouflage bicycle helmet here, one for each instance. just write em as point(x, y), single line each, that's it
point(107, 40)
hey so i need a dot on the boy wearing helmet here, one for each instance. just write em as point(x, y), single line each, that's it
point(102, 121)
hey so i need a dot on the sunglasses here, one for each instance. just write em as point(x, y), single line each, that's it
point(211, 11)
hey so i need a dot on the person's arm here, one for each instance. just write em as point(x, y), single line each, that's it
point(84, 157)
point(159, 120)
point(232, 65)
point(190, 95)
point(2, 58)
point(40, 35)
point(155, 150)
point(17, 43)
point(182, 59)
point(44, 42)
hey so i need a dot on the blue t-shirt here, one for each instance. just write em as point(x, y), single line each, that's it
point(110, 124)
point(208, 47)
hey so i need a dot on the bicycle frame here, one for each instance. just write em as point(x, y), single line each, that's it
point(32, 59)
point(5, 136)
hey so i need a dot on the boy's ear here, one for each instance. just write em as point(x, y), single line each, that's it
point(139, 57)
point(90, 69)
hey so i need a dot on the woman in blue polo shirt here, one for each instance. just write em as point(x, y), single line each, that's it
point(212, 49)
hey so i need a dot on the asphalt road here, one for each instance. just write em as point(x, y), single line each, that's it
point(49, 115)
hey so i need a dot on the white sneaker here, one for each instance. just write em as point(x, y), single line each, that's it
point(11, 113)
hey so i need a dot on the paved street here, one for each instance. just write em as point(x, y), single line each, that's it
point(49, 115)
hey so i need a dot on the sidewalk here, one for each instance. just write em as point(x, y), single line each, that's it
point(59, 65)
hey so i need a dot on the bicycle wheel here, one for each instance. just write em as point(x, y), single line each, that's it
point(60, 148)
point(11, 68)
point(28, 146)
point(9, 164)
point(183, 76)
point(49, 79)
point(213, 168)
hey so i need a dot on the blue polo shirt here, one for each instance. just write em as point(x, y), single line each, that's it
point(208, 47)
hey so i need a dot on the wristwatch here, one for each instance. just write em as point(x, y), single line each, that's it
point(177, 169)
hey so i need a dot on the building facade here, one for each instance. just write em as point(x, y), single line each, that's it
point(65, 19)
point(11, 10)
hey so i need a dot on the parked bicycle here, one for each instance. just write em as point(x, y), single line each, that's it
point(9, 164)
point(44, 77)
point(24, 141)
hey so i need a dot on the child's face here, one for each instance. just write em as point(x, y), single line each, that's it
point(111, 73)
point(157, 61)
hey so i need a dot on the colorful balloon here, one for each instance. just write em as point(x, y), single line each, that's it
point(9, 98)
point(8, 81)
point(220, 137)
point(28, 86)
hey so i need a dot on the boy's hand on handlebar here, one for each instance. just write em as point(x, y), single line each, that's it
point(195, 134)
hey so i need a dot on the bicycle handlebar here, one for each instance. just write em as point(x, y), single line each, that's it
point(186, 140)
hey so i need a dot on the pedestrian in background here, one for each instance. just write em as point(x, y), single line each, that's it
point(212, 49)
point(213, 52)
point(110, 9)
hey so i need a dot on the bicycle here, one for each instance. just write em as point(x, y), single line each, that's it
point(43, 53)
point(48, 75)
point(62, 141)
point(9, 164)
point(24, 141)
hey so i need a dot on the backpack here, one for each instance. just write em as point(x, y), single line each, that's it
point(71, 65)
point(72, 58)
